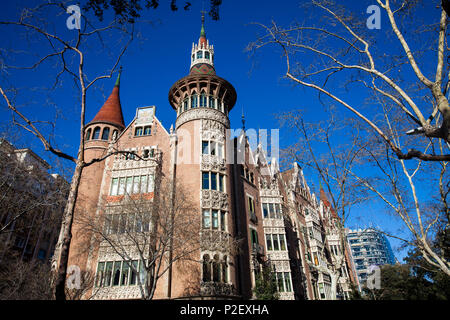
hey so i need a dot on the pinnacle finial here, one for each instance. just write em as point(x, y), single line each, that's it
point(118, 78)
point(202, 31)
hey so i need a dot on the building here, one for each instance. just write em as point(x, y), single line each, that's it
point(32, 202)
point(369, 248)
point(239, 196)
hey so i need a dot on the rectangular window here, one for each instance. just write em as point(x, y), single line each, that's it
point(271, 211)
point(222, 221)
point(138, 132)
point(136, 184)
point(213, 181)
point(133, 277)
point(265, 210)
point(254, 236)
point(251, 205)
point(276, 245)
point(125, 274)
point(143, 183)
point(121, 186)
point(269, 242)
point(114, 186)
point(206, 219)
point(147, 130)
point(205, 147)
point(100, 274)
point(213, 148)
point(277, 211)
point(212, 102)
point(287, 281)
point(142, 272)
point(280, 281)
point(116, 273)
point(221, 183)
point(282, 242)
point(205, 180)
point(108, 271)
point(215, 219)
point(129, 184)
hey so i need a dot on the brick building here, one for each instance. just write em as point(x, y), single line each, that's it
point(238, 196)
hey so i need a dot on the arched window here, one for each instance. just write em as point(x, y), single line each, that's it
point(96, 134)
point(147, 130)
point(105, 134)
point(206, 268)
point(207, 55)
point(203, 100)
point(186, 104)
point(88, 134)
point(194, 101)
point(216, 268)
point(193, 57)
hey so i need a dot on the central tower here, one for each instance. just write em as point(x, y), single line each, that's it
point(202, 101)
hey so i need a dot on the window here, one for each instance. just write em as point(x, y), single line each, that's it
point(206, 219)
point(265, 210)
point(207, 55)
point(213, 181)
point(215, 269)
point(272, 210)
point(214, 219)
point(88, 134)
point(108, 271)
point(212, 102)
point(132, 185)
point(147, 130)
point(125, 273)
point(276, 242)
point(96, 134)
point(212, 148)
point(199, 54)
point(138, 132)
point(100, 273)
point(185, 104)
point(251, 204)
point(194, 102)
point(269, 242)
point(105, 134)
point(254, 236)
point(203, 100)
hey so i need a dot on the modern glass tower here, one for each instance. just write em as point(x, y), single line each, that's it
point(369, 247)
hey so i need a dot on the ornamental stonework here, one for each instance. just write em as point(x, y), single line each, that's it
point(216, 241)
point(213, 163)
point(214, 199)
point(211, 125)
point(217, 289)
point(117, 292)
point(202, 113)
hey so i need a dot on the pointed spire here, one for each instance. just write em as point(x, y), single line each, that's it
point(118, 78)
point(202, 39)
point(111, 111)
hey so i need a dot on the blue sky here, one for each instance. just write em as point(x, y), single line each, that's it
point(152, 64)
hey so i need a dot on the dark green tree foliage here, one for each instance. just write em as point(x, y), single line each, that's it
point(128, 11)
point(265, 285)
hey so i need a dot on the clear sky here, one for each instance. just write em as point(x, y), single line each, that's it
point(162, 56)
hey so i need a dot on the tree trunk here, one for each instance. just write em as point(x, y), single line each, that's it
point(65, 236)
